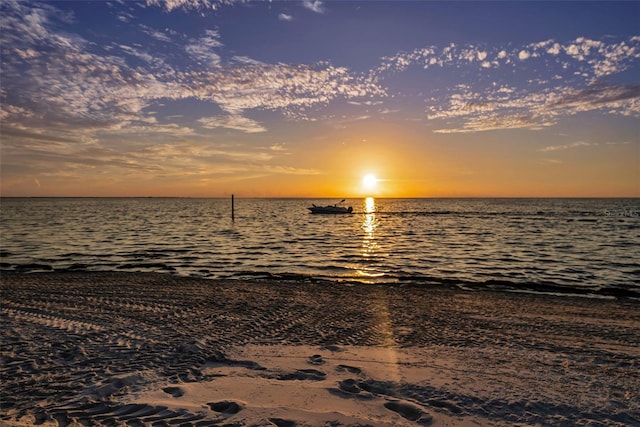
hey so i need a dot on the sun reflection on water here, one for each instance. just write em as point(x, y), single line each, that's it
point(370, 254)
point(369, 205)
point(369, 226)
point(370, 247)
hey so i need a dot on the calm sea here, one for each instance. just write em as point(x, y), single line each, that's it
point(549, 245)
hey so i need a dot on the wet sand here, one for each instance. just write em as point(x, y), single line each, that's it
point(138, 349)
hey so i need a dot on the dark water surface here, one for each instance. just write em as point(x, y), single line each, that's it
point(556, 245)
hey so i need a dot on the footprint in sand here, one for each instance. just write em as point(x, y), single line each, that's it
point(349, 386)
point(225, 407)
point(174, 391)
point(333, 348)
point(303, 374)
point(450, 406)
point(279, 422)
point(316, 359)
point(352, 369)
point(409, 411)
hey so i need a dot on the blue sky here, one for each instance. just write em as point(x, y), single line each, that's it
point(204, 98)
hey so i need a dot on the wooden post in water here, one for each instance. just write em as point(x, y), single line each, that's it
point(233, 215)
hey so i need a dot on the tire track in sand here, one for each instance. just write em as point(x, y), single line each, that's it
point(75, 345)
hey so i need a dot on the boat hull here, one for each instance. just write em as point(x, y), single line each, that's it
point(330, 210)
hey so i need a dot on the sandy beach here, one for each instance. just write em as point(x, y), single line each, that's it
point(138, 349)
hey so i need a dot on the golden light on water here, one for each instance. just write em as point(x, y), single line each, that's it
point(369, 205)
point(370, 223)
point(370, 247)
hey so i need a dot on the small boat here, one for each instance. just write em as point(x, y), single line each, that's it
point(330, 209)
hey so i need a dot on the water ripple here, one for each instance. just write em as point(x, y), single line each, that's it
point(575, 243)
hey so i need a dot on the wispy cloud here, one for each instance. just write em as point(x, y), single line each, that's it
point(313, 5)
point(615, 99)
point(71, 81)
point(566, 146)
point(288, 88)
point(69, 104)
point(277, 147)
point(203, 49)
point(497, 122)
point(290, 170)
point(509, 109)
point(235, 122)
point(579, 144)
point(537, 104)
point(596, 58)
point(156, 34)
point(73, 101)
point(170, 5)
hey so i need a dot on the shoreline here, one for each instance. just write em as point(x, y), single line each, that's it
point(420, 282)
point(141, 348)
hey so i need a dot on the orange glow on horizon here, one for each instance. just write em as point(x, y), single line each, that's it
point(396, 162)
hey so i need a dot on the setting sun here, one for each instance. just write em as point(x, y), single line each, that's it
point(369, 182)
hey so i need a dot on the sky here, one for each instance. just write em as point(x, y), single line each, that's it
point(208, 98)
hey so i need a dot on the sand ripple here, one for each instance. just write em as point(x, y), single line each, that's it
point(78, 348)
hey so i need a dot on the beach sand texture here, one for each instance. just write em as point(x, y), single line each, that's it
point(152, 349)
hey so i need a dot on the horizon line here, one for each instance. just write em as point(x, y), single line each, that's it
point(319, 197)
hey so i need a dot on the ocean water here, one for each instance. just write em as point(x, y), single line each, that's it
point(547, 245)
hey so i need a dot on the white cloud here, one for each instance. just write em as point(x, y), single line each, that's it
point(84, 111)
point(137, 53)
point(541, 45)
point(566, 146)
point(8, 111)
point(506, 108)
point(546, 96)
point(314, 5)
point(573, 50)
point(247, 60)
point(499, 122)
point(203, 153)
point(186, 5)
point(615, 57)
point(203, 49)
point(592, 59)
point(104, 88)
point(618, 143)
point(235, 122)
point(125, 17)
point(285, 17)
point(160, 36)
point(84, 97)
point(596, 97)
point(75, 94)
point(289, 170)
point(289, 88)
point(554, 50)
